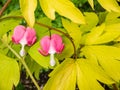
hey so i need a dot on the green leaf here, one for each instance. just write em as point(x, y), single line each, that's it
point(63, 7)
point(10, 73)
point(73, 30)
point(108, 57)
point(20, 87)
point(12, 13)
point(40, 30)
point(102, 17)
point(85, 73)
point(63, 77)
point(110, 5)
point(91, 20)
point(27, 8)
point(40, 59)
point(5, 25)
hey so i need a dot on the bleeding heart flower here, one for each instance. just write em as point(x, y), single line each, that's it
point(51, 45)
point(24, 36)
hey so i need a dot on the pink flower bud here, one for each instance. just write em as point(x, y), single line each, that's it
point(24, 36)
point(51, 46)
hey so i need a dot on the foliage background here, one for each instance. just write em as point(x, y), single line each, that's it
point(83, 5)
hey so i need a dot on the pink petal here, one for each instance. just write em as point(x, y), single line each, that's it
point(45, 44)
point(60, 49)
point(56, 41)
point(18, 34)
point(43, 52)
point(30, 35)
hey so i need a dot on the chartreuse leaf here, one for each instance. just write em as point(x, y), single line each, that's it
point(40, 59)
point(34, 67)
point(103, 34)
point(7, 39)
point(110, 5)
point(27, 8)
point(73, 30)
point(108, 58)
point(12, 13)
point(88, 75)
point(63, 7)
point(112, 18)
point(91, 20)
point(63, 77)
point(91, 3)
point(9, 73)
point(40, 30)
point(5, 25)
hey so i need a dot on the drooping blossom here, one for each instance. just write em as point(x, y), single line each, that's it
point(24, 36)
point(51, 45)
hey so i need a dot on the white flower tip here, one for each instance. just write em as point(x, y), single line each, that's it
point(52, 62)
point(22, 52)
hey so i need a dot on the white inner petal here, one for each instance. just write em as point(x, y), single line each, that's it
point(23, 42)
point(52, 60)
point(52, 52)
point(51, 49)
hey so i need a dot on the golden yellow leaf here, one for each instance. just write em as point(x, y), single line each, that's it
point(64, 7)
point(63, 77)
point(73, 30)
point(91, 3)
point(88, 75)
point(94, 34)
point(47, 8)
point(110, 5)
point(91, 20)
point(108, 57)
point(27, 8)
point(103, 34)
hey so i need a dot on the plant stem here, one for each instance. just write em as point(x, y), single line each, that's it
point(26, 67)
point(4, 7)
